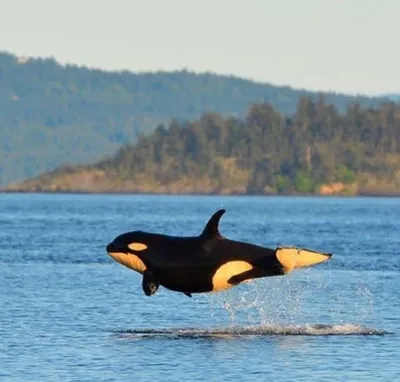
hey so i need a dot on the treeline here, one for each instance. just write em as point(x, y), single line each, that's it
point(267, 152)
point(53, 114)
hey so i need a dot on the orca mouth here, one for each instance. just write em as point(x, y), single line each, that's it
point(112, 248)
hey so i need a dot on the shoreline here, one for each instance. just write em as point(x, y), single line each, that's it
point(132, 193)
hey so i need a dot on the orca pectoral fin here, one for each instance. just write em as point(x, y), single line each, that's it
point(187, 294)
point(150, 283)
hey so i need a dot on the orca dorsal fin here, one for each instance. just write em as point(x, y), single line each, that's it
point(211, 229)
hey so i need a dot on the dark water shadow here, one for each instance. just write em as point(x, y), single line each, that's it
point(265, 330)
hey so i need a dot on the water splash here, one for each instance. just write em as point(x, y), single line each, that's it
point(258, 303)
point(296, 299)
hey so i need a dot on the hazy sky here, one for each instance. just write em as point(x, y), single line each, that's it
point(344, 45)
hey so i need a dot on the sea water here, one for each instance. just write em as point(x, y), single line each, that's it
point(70, 313)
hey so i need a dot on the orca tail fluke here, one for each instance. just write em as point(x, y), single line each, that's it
point(293, 258)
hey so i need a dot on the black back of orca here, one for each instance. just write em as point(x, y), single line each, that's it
point(204, 263)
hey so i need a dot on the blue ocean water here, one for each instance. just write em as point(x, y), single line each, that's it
point(70, 313)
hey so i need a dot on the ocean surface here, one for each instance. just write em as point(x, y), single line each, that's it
point(68, 312)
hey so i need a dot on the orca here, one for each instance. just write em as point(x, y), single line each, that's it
point(205, 263)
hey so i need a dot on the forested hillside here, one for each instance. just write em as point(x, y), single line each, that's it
point(316, 151)
point(52, 114)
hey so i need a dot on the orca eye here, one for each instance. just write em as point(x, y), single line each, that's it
point(136, 246)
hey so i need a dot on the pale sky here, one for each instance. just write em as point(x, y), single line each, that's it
point(344, 45)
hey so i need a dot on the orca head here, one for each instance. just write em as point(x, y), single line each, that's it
point(128, 249)
point(130, 242)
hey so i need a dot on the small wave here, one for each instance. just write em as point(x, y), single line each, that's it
point(265, 330)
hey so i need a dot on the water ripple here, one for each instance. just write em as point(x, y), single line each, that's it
point(265, 330)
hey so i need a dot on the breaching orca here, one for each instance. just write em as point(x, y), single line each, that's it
point(205, 263)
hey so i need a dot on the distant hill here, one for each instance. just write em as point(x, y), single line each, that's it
point(53, 114)
point(393, 97)
point(316, 151)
